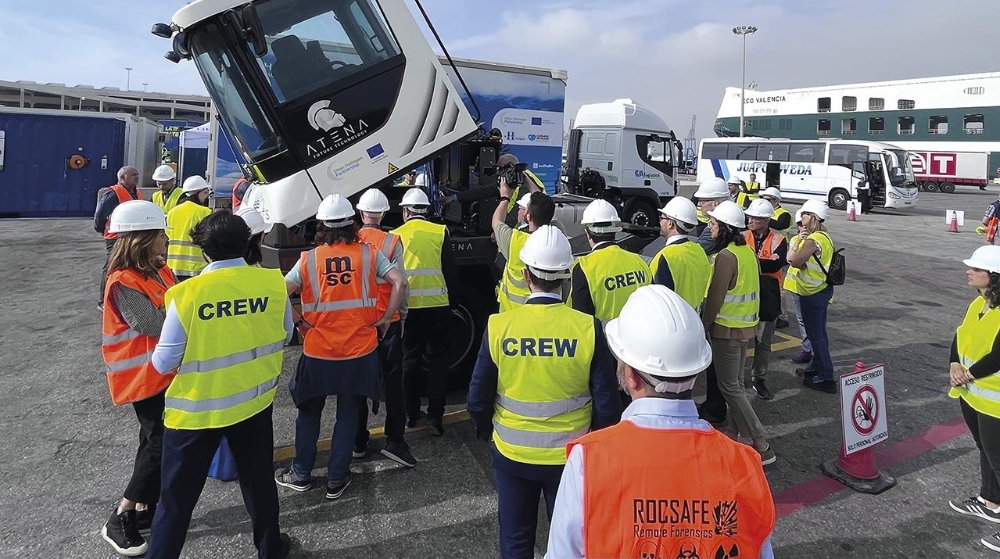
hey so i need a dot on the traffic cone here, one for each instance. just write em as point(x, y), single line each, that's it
point(851, 215)
point(953, 228)
point(859, 470)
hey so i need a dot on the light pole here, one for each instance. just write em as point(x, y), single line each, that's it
point(744, 30)
point(144, 84)
point(128, 77)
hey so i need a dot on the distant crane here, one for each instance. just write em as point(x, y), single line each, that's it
point(690, 161)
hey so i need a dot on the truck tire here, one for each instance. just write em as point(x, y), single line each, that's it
point(839, 199)
point(930, 186)
point(947, 187)
point(640, 212)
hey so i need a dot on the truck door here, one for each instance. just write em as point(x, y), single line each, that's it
point(594, 154)
point(657, 160)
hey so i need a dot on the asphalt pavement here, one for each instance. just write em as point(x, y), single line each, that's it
point(67, 451)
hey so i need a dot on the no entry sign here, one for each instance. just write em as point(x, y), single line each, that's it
point(862, 409)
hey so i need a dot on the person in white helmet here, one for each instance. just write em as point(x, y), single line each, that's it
point(731, 314)
point(737, 192)
point(782, 219)
point(771, 249)
point(602, 280)
point(527, 182)
point(183, 257)
point(371, 208)
point(530, 416)
point(681, 265)
point(430, 268)
point(127, 188)
point(168, 194)
point(710, 193)
point(809, 260)
point(535, 209)
point(617, 480)
point(804, 354)
point(342, 324)
point(259, 227)
point(975, 359)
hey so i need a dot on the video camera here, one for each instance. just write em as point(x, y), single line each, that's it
point(513, 174)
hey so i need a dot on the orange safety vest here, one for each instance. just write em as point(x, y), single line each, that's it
point(123, 196)
point(386, 243)
point(238, 199)
point(991, 229)
point(771, 243)
point(127, 353)
point(722, 502)
point(341, 306)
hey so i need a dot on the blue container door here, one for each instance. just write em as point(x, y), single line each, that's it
point(37, 180)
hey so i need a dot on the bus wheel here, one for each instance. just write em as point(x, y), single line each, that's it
point(839, 199)
point(641, 213)
point(931, 186)
point(947, 187)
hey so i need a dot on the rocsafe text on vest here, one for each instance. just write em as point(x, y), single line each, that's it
point(339, 271)
point(540, 347)
point(238, 307)
point(637, 277)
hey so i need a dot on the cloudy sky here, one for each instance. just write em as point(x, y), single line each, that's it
point(675, 56)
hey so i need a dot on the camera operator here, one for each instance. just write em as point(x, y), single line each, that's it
point(521, 182)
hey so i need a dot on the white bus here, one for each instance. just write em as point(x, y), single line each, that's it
point(826, 170)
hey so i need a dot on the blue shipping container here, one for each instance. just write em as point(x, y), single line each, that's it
point(36, 179)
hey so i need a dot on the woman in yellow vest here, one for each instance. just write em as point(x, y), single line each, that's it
point(975, 360)
point(730, 318)
point(183, 256)
point(807, 261)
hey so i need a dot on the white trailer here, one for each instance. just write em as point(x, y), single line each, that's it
point(942, 170)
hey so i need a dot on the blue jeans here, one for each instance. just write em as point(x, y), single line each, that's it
point(797, 304)
point(814, 312)
point(349, 408)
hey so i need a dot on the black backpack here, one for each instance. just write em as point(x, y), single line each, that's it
point(838, 266)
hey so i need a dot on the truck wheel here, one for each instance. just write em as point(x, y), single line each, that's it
point(947, 187)
point(641, 213)
point(461, 336)
point(839, 199)
point(931, 186)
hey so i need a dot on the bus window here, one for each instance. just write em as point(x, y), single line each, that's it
point(713, 150)
point(846, 154)
point(772, 152)
point(807, 153)
point(742, 152)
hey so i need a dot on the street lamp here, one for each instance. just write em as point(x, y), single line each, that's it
point(144, 84)
point(128, 77)
point(744, 30)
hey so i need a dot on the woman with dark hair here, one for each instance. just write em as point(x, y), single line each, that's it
point(258, 228)
point(731, 315)
point(975, 360)
point(138, 279)
point(337, 282)
point(183, 256)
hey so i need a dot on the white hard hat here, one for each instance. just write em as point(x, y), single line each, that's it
point(603, 213)
point(729, 213)
point(798, 216)
point(658, 333)
point(335, 211)
point(711, 189)
point(985, 258)
point(415, 197)
point(772, 191)
point(254, 220)
point(681, 210)
point(137, 215)
point(760, 208)
point(547, 253)
point(524, 201)
point(734, 180)
point(164, 173)
point(421, 180)
point(194, 184)
point(817, 208)
point(373, 200)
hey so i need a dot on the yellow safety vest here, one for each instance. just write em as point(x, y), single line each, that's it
point(743, 199)
point(234, 320)
point(778, 212)
point(171, 201)
point(975, 341)
point(422, 245)
point(183, 257)
point(741, 307)
point(791, 283)
point(612, 275)
point(690, 268)
point(753, 190)
point(811, 279)
point(543, 354)
point(514, 290)
point(702, 216)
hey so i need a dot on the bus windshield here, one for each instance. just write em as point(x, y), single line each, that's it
point(899, 167)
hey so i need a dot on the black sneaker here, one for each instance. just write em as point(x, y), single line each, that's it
point(974, 506)
point(121, 532)
point(761, 389)
point(334, 489)
point(414, 420)
point(361, 448)
point(992, 541)
point(435, 426)
point(285, 478)
point(399, 452)
point(144, 519)
point(828, 386)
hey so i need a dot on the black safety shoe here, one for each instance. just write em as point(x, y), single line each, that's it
point(285, 478)
point(144, 518)
point(334, 489)
point(122, 533)
point(761, 389)
point(435, 426)
point(828, 386)
point(399, 452)
point(414, 420)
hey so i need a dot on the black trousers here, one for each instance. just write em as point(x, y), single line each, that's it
point(144, 487)
point(108, 245)
point(390, 361)
point(865, 198)
point(715, 403)
point(425, 333)
point(187, 455)
point(518, 489)
point(986, 432)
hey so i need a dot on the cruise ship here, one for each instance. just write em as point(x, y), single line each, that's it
point(953, 115)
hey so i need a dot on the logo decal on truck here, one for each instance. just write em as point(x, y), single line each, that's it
point(339, 130)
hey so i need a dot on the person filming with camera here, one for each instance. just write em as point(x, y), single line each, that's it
point(511, 174)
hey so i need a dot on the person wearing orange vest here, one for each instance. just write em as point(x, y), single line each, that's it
point(662, 482)
point(342, 324)
point(772, 255)
point(138, 280)
point(127, 188)
point(372, 207)
point(239, 192)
